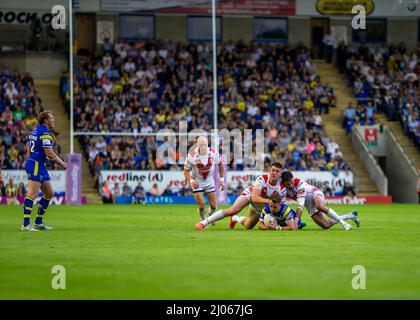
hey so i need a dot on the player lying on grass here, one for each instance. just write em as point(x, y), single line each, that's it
point(283, 217)
point(199, 170)
point(312, 199)
point(257, 196)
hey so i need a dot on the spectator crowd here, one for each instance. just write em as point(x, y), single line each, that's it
point(11, 189)
point(19, 109)
point(385, 79)
point(143, 87)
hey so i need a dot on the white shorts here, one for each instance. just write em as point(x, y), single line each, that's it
point(248, 195)
point(310, 205)
point(207, 186)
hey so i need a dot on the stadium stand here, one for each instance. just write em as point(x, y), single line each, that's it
point(144, 87)
point(19, 108)
point(385, 80)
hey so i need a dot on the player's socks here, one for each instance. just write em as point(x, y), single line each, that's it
point(27, 210)
point(210, 211)
point(345, 225)
point(239, 219)
point(218, 215)
point(353, 216)
point(349, 216)
point(42, 206)
point(202, 213)
point(333, 221)
point(333, 215)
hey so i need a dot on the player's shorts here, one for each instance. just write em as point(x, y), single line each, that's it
point(247, 193)
point(310, 203)
point(37, 171)
point(205, 186)
point(257, 208)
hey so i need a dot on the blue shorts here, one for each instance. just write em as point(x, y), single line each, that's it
point(37, 171)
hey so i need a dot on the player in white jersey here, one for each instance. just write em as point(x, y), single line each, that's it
point(257, 196)
point(312, 199)
point(199, 171)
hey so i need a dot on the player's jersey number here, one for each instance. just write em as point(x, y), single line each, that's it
point(32, 145)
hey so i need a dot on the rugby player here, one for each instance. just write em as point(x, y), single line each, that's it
point(199, 169)
point(256, 196)
point(312, 199)
point(39, 149)
point(283, 215)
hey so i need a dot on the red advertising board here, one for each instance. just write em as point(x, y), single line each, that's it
point(359, 200)
point(353, 200)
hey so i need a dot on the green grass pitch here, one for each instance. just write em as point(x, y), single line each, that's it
point(153, 252)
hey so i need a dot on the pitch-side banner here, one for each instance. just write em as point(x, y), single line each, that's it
point(20, 199)
point(58, 178)
point(252, 7)
point(175, 179)
point(231, 199)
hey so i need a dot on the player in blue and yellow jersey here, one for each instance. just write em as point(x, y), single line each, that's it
point(39, 149)
point(285, 216)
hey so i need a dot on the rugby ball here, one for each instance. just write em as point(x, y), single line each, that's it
point(269, 219)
